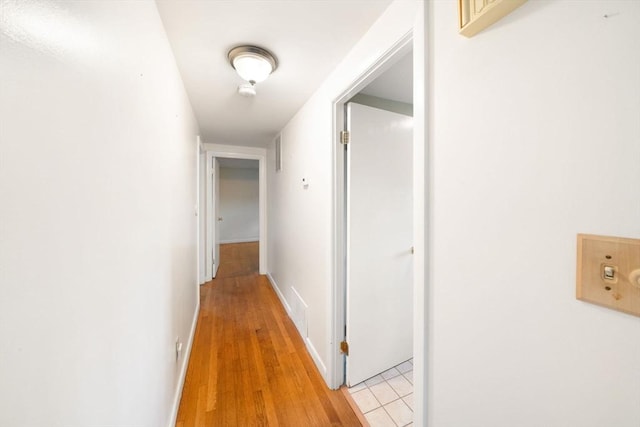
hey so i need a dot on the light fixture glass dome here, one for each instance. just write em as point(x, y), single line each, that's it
point(252, 63)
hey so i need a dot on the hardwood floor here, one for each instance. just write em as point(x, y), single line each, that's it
point(248, 365)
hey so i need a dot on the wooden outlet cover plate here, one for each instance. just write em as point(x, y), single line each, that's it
point(622, 255)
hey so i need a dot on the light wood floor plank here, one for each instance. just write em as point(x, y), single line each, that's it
point(248, 364)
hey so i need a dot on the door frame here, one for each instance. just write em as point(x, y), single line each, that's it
point(400, 48)
point(212, 177)
point(414, 39)
point(235, 152)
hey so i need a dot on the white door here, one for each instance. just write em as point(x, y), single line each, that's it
point(212, 206)
point(216, 216)
point(379, 241)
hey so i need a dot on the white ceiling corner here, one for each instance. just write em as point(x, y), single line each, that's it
point(395, 84)
point(309, 38)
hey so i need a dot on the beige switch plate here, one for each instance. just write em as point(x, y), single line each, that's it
point(622, 292)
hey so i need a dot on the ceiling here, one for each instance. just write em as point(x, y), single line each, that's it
point(396, 83)
point(309, 38)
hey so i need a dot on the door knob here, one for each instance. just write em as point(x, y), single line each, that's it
point(219, 218)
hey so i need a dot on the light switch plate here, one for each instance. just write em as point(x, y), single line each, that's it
point(608, 272)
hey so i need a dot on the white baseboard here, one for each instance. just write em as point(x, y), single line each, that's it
point(307, 341)
point(183, 368)
point(250, 239)
point(215, 271)
point(283, 300)
point(316, 358)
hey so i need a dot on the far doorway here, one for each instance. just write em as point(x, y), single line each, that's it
point(234, 203)
point(236, 206)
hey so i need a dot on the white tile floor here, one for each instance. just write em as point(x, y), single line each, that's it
point(386, 400)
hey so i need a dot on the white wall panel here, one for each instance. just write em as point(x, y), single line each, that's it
point(97, 226)
point(300, 219)
point(535, 138)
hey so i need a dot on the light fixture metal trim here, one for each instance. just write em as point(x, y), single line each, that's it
point(252, 51)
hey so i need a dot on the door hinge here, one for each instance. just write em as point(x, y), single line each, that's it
point(344, 137)
point(344, 348)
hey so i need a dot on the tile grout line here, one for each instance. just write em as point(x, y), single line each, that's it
point(386, 380)
point(394, 421)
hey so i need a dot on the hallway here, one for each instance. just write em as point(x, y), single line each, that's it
point(248, 365)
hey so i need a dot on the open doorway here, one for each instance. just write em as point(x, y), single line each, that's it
point(237, 216)
point(379, 231)
point(231, 227)
point(375, 234)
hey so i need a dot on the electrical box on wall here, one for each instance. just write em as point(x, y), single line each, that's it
point(608, 272)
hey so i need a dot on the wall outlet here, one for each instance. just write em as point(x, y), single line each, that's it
point(178, 348)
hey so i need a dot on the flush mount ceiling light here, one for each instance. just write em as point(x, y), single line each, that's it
point(253, 64)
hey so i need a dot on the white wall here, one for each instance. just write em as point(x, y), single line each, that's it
point(98, 246)
point(239, 196)
point(300, 220)
point(535, 138)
